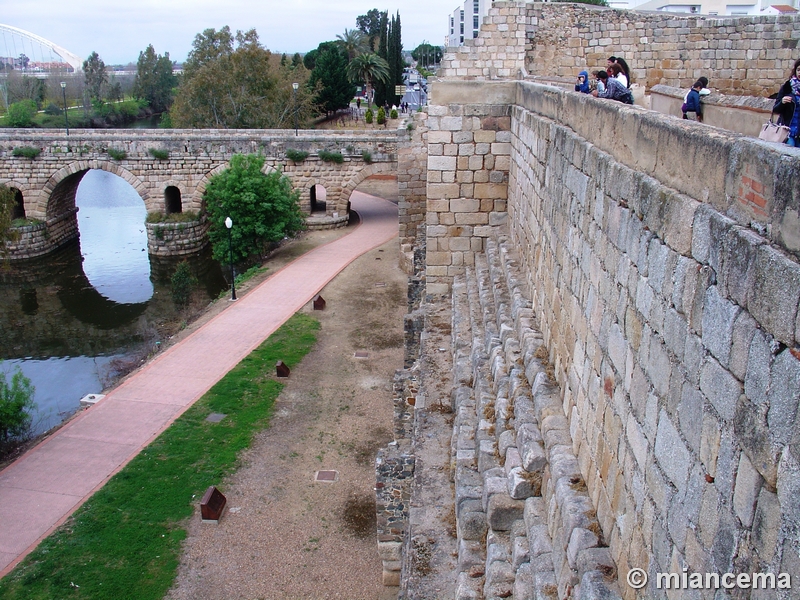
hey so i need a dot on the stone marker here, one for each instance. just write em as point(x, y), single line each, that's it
point(212, 505)
point(281, 369)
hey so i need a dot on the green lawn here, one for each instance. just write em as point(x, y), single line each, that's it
point(125, 541)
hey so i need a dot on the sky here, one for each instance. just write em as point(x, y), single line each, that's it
point(119, 29)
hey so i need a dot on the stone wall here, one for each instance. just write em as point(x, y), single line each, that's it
point(661, 260)
point(177, 239)
point(469, 151)
point(412, 173)
point(40, 238)
point(740, 55)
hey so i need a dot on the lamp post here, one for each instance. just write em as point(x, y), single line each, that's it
point(229, 225)
point(294, 102)
point(64, 92)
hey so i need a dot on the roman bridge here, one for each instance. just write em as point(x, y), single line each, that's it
point(170, 170)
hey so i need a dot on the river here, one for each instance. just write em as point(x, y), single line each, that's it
point(71, 319)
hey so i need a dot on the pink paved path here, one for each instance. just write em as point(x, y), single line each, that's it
point(44, 486)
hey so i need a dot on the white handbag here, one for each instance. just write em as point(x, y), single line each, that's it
point(774, 132)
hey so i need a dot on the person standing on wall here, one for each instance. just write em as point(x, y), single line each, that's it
point(786, 103)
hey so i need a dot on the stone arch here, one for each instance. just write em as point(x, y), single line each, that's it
point(362, 174)
point(58, 196)
point(200, 190)
point(317, 194)
point(174, 195)
point(22, 197)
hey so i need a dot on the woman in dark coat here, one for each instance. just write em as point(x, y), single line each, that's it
point(785, 105)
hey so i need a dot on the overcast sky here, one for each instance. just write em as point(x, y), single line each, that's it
point(119, 29)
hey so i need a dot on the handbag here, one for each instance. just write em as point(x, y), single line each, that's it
point(774, 132)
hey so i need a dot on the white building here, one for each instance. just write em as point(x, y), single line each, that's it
point(709, 7)
point(465, 22)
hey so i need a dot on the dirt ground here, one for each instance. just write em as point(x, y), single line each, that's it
point(283, 534)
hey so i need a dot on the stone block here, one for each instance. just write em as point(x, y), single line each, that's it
point(520, 552)
point(776, 295)
point(595, 586)
point(766, 525)
point(468, 588)
point(580, 540)
point(596, 559)
point(720, 387)
point(671, 453)
point(522, 484)
point(529, 443)
point(719, 315)
point(783, 397)
point(745, 495)
point(472, 525)
point(752, 432)
point(502, 511)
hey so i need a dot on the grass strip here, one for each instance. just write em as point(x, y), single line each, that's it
point(125, 541)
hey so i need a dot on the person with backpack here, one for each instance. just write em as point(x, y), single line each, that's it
point(692, 103)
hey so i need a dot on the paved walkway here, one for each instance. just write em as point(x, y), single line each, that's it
point(44, 486)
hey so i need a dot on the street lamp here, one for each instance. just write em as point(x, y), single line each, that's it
point(64, 92)
point(294, 101)
point(229, 225)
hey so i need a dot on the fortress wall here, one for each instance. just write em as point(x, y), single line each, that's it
point(740, 55)
point(662, 260)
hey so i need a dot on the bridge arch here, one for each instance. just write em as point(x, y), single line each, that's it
point(59, 191)
point(24, 201)
point(368, 171)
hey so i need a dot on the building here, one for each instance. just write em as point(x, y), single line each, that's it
point(465, 22)
point(709, 7)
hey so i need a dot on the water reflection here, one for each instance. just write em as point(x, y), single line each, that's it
point(65, 317)
point(111, 216)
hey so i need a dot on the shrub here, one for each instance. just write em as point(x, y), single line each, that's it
point(264, 208)
point(117, 154)
point(368, 116)
point(26, 152)
point(53, 109)
point(393, 114)
point(334, 157)
point(297, 156)
point(181, 217)
point(381, 116)
point(21, 114)
point(367, 156)
point(182, 283)
point(16, 399)
point(159, 154)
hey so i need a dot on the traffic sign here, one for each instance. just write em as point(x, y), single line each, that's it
point(399, 90)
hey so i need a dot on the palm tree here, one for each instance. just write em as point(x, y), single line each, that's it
point(353, 41)
point(368, 67)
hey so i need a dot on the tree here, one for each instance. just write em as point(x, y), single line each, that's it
point(21, 114)
point(243, 88)
point(7, 204)
point(16, 400)
point(95, 76)
point(24, 87)
point(264, 208)
point(329, 78)
point(427, 54)
point(208, 47)
point(383, 52)
point(368, 68)
point(370, 25)
point(297, 60)
point(395, 59)
point(154, 81)
point(353, 42)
